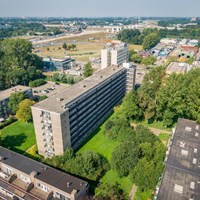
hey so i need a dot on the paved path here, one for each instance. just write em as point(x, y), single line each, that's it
point(155, 131)
point(132, 193)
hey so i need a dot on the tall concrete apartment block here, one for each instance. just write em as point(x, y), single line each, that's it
point(114, 54)
point(69, 117)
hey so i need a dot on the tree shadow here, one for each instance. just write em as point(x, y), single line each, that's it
point(13, 142)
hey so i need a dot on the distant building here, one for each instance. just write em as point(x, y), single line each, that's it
point(178, 68)
point(5, 96)
point(69, 117)
point(59, 64)
point(114, 54)
point(22, 178)
point(181, 178)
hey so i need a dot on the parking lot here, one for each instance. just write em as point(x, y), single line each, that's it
point(48, 89)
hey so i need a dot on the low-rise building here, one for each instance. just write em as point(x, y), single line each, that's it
point(22, 178)
point(5, 96)
point(181, 178)
point(178, 68)
point(59, 64)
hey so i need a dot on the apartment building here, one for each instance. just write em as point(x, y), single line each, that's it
point(69, 117)
point(22, 178)
point(114, 54)
point(5, 96)
point(181, 178)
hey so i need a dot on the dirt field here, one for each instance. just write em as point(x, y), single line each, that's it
point(135, 47)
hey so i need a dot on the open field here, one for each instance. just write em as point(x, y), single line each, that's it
point(18, 136)
point(135, 47)
point(82, 53)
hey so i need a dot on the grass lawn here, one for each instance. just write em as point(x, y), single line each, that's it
point(101, 144)
point(164, 138)
point(18, 136)
point(135, 47)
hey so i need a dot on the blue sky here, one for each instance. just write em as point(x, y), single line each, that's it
point(99, 8)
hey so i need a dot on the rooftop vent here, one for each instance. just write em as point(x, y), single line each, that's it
point(101, 76)
point(196, 134)
point(68, 184)
point(178, 188)
point(182, 144)
point(195, 150)
point(192, 185)
point(194, 161)
point(59, 99)
point(184, 152)
point(197, 127)
point(84, 86)
point(188, 129)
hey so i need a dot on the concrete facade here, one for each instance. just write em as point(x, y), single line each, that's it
point(114, 54)
point(68, 118)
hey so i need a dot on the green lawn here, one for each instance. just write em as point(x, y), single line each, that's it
point(18, 136)
point(101, 144)
point(164, 137)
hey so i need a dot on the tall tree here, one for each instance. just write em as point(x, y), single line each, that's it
point(24, 111)
point(88, 70)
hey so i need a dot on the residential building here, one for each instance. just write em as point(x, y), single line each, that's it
point(178, 68)
point(181, 178)
point(59, 64)
point(69, 117)
point(22, 178)
point(5, 96)
point(115, 53)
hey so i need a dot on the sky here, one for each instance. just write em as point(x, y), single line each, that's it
point(99, 8)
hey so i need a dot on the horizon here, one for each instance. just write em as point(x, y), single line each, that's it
point(97, 9)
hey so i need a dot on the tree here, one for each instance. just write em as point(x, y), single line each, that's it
point(14, 101)
point(73, 46)
point(136, 58)
point(125, 157)
point(43, 97)
point(149, 61)
point(64, 46)
point(150, 41)
point(109, 192)
point(88, 70)
point(24, 111)
point(89, 165)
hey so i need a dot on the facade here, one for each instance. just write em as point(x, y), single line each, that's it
point(59, 64)
point(69, 117)
point(22, 178)
point(5, 96)
point(114, 54)
point(181, 178)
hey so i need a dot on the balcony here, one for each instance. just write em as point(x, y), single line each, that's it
point(41, 194)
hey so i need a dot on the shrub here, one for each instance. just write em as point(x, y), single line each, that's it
point(7, 122)
point(37, 83)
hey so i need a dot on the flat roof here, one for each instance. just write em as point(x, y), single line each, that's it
point(57, 102)
point(181, 178)
point(49, 175)
point(5, 94)
point(176, 67)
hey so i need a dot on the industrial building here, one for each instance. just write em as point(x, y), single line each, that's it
point(66, 119)
point(178, 68)
point(22, 178)
point(5, 96)
point(181, 178)
point(115, 53)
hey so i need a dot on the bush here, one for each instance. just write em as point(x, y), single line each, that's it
point(7, 122)
point(37, 83)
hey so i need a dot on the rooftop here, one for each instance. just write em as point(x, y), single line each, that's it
point(176, 67)
point(58, 102)
point(45, 173)
point(6, 93)
point(181, 179)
